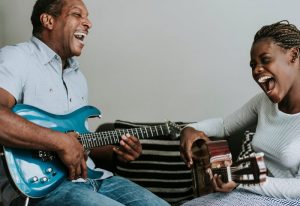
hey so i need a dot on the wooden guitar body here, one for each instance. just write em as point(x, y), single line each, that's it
point(214, 157)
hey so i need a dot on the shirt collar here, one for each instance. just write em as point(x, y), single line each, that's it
point(46, 54)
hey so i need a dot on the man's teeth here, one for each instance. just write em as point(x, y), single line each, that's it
point(80, 35)
point(263, 79)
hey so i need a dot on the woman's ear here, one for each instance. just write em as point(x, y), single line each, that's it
point(294, 54)
point(47, 21)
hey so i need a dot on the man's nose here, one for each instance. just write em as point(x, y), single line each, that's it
point(87, 23)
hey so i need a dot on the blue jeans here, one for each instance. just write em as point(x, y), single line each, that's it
point(113, 191)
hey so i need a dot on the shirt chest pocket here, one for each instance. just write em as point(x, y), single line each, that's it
point(50, 94)
point(49, 91)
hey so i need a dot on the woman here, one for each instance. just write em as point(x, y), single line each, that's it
point(275, 67)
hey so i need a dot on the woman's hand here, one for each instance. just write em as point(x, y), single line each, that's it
point(220, 186)
point(130, 148)
point(187, 137)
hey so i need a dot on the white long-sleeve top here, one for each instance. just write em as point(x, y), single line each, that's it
point(277, 136)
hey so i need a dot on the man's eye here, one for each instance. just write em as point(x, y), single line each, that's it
point(77, 14)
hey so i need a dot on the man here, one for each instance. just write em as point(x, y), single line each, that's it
point(43, 73)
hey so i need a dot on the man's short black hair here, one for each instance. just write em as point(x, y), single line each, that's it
point(52, 7)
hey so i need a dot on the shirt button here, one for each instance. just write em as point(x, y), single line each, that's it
point(70, 99)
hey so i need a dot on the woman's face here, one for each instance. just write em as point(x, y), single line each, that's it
point(273, 69)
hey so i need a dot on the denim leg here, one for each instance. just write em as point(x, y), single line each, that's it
point(129, 193)
point(79, 194)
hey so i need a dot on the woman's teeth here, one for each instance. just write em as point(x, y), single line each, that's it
point(264, 79)
point(267, 83)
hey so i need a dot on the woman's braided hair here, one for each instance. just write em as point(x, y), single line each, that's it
point(283, 34)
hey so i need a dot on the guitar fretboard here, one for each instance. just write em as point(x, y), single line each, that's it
point(91, 140)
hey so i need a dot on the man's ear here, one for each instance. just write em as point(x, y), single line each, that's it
point(47, 21)
point(295, 54)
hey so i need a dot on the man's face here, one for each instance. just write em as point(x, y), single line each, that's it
point(70, 29)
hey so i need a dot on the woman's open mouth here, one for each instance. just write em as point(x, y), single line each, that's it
point(267, 83)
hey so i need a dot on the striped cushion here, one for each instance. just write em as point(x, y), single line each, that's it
point(160, 167)
point(246, 148)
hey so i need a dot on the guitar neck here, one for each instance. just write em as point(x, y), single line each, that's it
point(97, 139)
point(250, 170)
point(226, 173)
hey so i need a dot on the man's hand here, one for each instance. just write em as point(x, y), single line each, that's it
point(130, 148)
point(220, 186)
point(187, 137)
point(73, 156)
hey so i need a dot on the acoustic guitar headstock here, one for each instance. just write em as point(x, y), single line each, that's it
point(250, 170)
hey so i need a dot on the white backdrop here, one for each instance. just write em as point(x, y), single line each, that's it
point(152, 60)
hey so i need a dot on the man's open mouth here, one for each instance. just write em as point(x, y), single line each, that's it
point(267, 83)
point(80, 36)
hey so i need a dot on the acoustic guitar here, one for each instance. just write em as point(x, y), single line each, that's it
point(214, 157)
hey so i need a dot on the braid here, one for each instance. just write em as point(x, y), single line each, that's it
point(283, 34)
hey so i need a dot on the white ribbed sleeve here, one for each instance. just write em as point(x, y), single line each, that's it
point(277, 136)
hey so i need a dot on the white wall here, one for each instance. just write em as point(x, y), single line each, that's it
point(1, 24)
point(151, 60)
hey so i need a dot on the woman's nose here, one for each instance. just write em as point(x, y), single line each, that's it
point(258, 69)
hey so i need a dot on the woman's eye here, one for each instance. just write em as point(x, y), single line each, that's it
point(252, 65)
point(265, 60)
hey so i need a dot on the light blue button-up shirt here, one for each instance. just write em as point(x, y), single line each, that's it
point(33, 74)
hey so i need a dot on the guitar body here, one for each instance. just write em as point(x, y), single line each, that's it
point(214, 157)
point(208, 155)
point(36, 173)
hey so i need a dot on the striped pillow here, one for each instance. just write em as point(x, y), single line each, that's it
point(160, 168)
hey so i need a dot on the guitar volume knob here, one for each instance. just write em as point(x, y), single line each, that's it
point(49, 170)
point(44, 179)
point(34, 179)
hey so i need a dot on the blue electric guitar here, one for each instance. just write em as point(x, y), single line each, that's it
point(36, 173)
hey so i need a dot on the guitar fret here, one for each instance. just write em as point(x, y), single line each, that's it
point(87, 142)
point(106, 137)
point(115, 137)
point(99, 139)
point(103, 138)
point(127, 131)
point(83, 142)
point(120, 134)
point(90, 141)
point(93, 140)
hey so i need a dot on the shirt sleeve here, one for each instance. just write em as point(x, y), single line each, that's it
point(239, 120)
point(288, 188)
point(12, 62)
